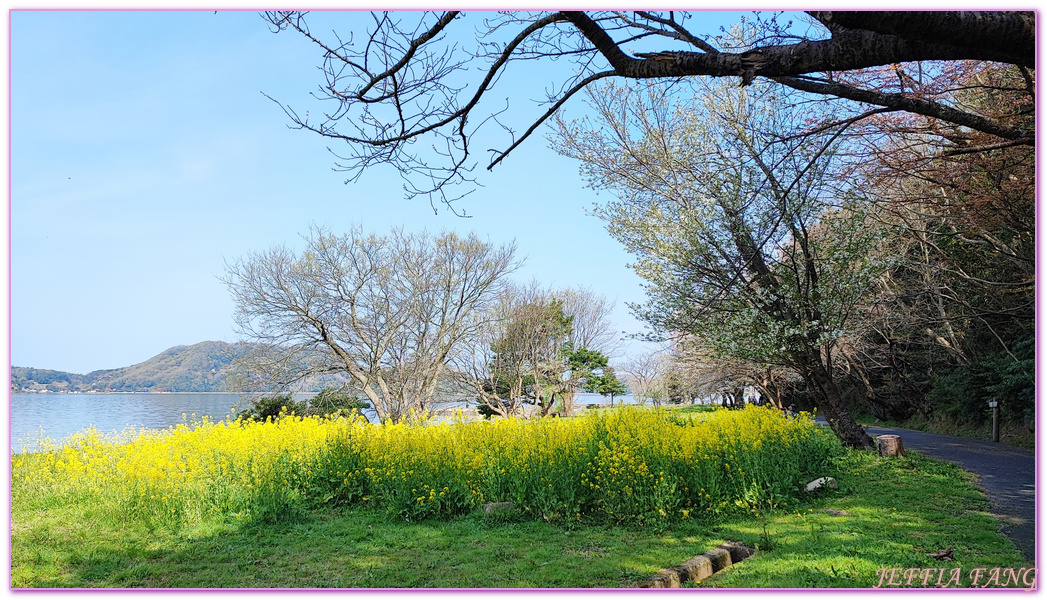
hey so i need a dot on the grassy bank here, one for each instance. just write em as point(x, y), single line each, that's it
point(886, 513)
point(1011, 433)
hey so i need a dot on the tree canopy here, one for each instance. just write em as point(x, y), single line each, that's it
point(531, 351)
point(750, 243)
point(402, 78)
point(847, 197)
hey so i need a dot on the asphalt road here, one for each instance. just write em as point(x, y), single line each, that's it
point(1007, 474)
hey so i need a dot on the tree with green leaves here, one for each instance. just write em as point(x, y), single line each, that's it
point(747, 242)
point(605, 383)
point(528, 357)
point(954, 319)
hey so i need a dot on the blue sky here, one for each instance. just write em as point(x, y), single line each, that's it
point(144, 156)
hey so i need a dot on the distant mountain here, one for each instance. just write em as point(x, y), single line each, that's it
point(203, 367)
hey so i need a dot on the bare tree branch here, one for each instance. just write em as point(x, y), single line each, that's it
point(900, 102)
point(408, 84)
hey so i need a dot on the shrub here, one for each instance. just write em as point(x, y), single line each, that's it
point(329, 402)
point(333, 402)
point(273, 407)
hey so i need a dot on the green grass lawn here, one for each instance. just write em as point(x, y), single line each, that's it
point(894, 513)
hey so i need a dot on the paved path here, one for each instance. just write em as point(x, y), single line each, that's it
point(1007, 474)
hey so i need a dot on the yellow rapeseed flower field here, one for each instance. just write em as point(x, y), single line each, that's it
point(631, 464)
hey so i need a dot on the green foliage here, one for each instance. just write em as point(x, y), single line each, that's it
point(963, 392)
point(533, 361)
point(22, 377)
point(485, 411)
point(528, 359)
point(273, 407)
point(676, 390)
point(760, 270)
point(605, 384)
point(749, 242)
point(329, 402)
point(333, 402)
point(627, 465)
point(584, 361)
point(590, 371)
point(954, 319)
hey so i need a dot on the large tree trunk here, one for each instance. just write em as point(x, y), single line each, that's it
point(568, 403)
point(822, 387)
point(770, 390)
point(545, 405)
point(739, 396)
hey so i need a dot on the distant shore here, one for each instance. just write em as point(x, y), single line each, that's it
point(94, 392)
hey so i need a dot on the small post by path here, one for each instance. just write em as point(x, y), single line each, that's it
point(995, 406)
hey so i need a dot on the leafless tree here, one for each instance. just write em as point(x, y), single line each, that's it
point(591, 325)
point(388, 311)
point(400, 78)
point(727, 377)
point(645, 374)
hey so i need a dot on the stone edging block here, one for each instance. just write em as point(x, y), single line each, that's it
point(702, 566)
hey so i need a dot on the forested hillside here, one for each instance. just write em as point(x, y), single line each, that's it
point(203, 367)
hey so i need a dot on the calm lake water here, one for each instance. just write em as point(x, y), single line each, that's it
point(58, 416)
point(61, 415)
